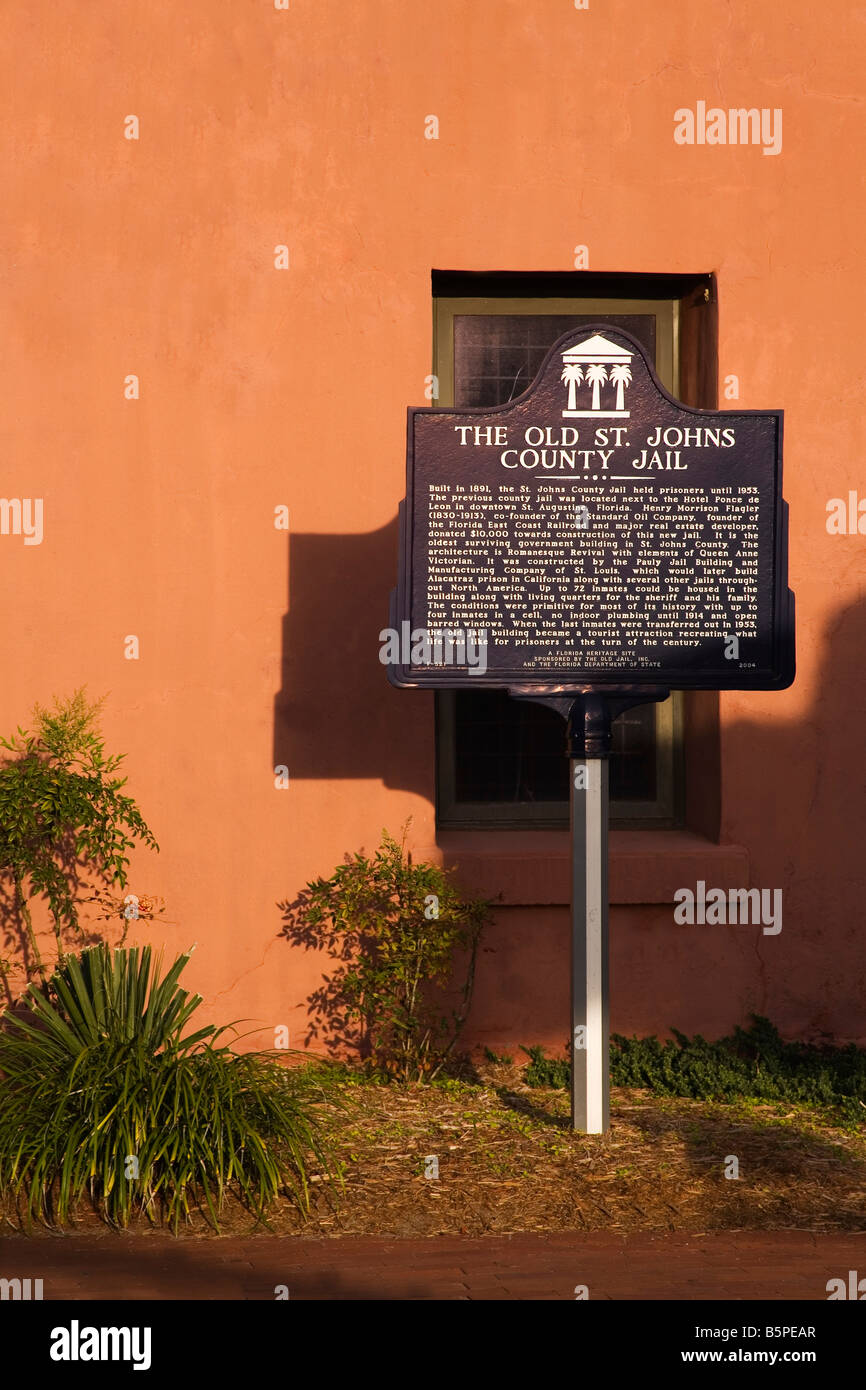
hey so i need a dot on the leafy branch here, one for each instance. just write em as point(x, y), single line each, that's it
point(64, 817)
point(397, 930)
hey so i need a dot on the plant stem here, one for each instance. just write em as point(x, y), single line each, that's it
point(61, 954)
point(4, 975)
point(28, 923)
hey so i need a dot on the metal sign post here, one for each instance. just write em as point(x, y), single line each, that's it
point(590, 714)
point(590, 988)
point(589, 742)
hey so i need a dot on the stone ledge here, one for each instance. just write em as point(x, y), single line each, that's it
point(533, 868)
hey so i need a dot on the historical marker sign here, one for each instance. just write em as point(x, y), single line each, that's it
point(594, 532)
point(593, 544)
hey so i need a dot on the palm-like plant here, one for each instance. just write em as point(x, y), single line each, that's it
point(102, 1093)
point(115, 995)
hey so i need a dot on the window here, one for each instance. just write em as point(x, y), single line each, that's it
point(501, 762)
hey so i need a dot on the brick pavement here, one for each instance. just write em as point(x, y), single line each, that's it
point(730, 1265)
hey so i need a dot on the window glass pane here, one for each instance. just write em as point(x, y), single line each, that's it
point(508, 750)
point(633, 775)
point(496, 356)
point(511, 750)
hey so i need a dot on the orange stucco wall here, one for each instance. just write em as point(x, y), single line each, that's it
point(261, 387)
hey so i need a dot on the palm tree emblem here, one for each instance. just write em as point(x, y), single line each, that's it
point(620, 376)
point(594, 361)
point(596, 376)
point(573, 375)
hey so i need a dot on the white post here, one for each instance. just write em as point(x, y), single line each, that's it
point(590, 993)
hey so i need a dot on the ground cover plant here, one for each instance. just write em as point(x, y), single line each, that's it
point(753, 1063)
point(107, 1099)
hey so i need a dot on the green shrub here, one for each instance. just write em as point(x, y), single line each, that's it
point(396, 928)
point(752, 1063)
point(63, 818)
point(102, 1095)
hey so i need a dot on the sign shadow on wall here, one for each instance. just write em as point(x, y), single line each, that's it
point(806, 778)
point(335, 714)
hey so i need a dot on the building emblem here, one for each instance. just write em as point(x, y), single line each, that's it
point(599, 365)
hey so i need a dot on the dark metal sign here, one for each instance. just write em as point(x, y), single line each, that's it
point(593, 532)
